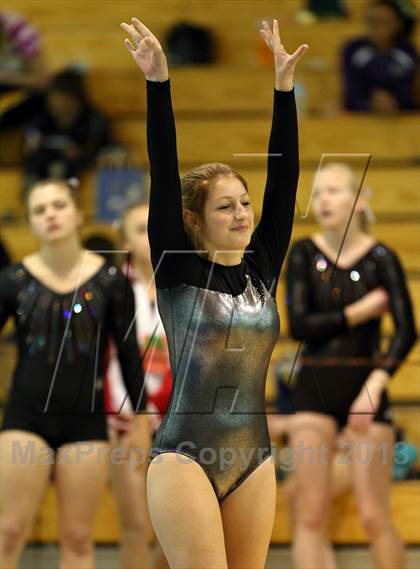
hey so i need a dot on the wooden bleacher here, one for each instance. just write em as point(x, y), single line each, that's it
point(234, 25)
point(212, 90)
point(396, 191)
point(225, 109)
point(219, 140)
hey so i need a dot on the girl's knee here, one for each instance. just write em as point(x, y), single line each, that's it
point(11, 536)
point(135, 524)
point(311, 511)
point(77, 539)
point(375, 522)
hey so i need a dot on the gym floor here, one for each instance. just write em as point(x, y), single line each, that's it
point(45, 557)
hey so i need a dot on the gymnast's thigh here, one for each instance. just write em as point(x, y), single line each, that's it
point(248, 518)
point(185, 513)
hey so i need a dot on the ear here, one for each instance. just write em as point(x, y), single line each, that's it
point(191, 219)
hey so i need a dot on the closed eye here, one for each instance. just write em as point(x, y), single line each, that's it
point(245, 204)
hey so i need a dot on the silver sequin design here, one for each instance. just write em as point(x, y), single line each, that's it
point(220, 347)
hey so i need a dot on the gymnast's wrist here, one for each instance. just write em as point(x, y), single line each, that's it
point(158, 77)
point(285, 85)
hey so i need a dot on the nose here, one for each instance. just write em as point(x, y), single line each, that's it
point(240, 212)
point(322, 199)
point(49, 213)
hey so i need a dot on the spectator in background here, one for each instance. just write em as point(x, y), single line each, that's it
point(380, 69)
point(65, 139)
point(22, 68)
point(128, 483)
point(21, 64)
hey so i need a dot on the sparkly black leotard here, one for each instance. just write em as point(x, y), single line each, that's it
point(221, 322)
point(337, 359)
point(57, 388)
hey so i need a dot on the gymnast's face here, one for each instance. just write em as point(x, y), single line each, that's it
point(333, 197)
point(53, 214)
point(135, 233)
point(228, 219)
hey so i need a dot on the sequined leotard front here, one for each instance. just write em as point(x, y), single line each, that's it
point(337, 359)
point(57, 386)
point(221, 322)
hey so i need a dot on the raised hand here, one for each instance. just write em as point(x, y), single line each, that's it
point(146, 51)
point(284, 62)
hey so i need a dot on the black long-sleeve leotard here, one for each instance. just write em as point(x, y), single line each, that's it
point(57, 386)
point(336, 358)
point(221, 321)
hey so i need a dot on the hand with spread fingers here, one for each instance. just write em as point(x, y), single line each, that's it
point(146, 51)
point(284, 62)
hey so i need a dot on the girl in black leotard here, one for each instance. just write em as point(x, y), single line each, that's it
point(339, 283)
point(211, 487)
point(65, 302)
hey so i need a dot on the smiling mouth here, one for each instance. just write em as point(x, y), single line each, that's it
point(240, 228)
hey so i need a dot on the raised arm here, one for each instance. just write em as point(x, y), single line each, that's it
point(272, 236)
point(165, 225)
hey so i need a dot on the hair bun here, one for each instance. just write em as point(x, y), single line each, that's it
point(74, 183)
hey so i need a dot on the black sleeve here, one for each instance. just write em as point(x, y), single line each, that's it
point(272, 235)
point(306, 325)
point(4, 256)
point(7, 307)
point(165, 224)
point(392, 277)
point(121, 321)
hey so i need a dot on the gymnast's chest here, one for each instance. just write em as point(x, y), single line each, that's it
point(206, 316)
point(332, 287)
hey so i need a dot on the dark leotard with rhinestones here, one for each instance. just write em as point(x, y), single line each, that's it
point(336, 359)
point(57, 386)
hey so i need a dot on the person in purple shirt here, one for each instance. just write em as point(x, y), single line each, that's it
point(381, 69)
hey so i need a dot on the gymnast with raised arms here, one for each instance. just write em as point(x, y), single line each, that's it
point(211, 484)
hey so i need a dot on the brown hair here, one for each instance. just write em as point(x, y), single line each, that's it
point(120, 225)
point(366, 216)
point(71, 185)
point(195, 187)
